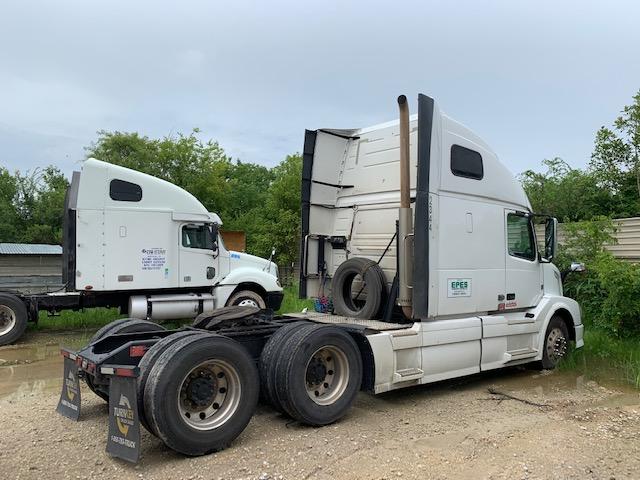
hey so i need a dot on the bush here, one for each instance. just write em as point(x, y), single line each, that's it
point(609, 291)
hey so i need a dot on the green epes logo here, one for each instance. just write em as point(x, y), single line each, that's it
point(458, 287)
point(459, 284)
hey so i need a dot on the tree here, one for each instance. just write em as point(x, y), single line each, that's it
point(32, 206)
point(616, 157)
point(564, 192)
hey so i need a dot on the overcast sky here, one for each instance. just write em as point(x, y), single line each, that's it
point(535, 79)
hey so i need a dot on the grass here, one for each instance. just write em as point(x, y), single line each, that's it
point(292, 304)
point(93, 318)
point(607, 357)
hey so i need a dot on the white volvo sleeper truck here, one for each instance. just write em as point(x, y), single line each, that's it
point(425, 243)
point(146, 246)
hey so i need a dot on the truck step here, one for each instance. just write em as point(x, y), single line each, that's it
point(407, 374)
point(519, 354)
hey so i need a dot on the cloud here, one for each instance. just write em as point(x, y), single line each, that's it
point(534, 79)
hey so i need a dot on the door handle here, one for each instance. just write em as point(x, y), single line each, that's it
point(211, 272)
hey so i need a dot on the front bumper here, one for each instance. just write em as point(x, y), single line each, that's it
point(579, 335)
point(274, 300)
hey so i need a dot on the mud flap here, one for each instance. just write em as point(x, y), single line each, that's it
point(69, 403)
point(124, 422)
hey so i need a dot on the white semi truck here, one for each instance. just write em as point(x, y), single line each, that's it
point(426, 244)
point(146, 246)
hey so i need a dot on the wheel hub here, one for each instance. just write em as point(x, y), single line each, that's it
point(201, 390)
point(7, 319)
point(316, 371)
point(209, 395)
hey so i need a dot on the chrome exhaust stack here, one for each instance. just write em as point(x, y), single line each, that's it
point(405, 217)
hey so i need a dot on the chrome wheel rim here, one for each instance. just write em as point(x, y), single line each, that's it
point(327, 375)
point(556, 345)
point(248, 302)
point(7, 319)
point(209, 395)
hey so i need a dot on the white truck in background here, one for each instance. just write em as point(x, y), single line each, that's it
point(146, 246)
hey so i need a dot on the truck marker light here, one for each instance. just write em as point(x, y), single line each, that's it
point(124, 372)
point(88, 287)
point(138, 350)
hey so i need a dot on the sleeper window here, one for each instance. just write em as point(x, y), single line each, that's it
point(123, 191)
point(520, 239)
point(197, 236)
point(466, 163)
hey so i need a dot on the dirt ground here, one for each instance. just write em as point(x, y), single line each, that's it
point(454, 429)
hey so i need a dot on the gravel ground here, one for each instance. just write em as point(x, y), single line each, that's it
point(451, 430)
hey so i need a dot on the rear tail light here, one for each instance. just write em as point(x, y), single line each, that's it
point(138, 350)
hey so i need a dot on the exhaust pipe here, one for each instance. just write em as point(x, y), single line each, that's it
point(405, 218)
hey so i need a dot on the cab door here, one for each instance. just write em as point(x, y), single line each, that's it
point(198, 260)
point(523, 287)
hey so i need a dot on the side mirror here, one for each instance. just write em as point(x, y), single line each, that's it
point(577, 267)
point(550, 238)
point(213, 230)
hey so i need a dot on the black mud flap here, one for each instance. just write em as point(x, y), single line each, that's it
point(124, 422)
point(69, 403)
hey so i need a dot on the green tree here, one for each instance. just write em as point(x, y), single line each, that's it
point(616, 158)
point(564, 192)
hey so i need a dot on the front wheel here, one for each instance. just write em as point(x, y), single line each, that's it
point(556, 343)
point(247, 298)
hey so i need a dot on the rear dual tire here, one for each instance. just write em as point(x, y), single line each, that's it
point(313, 373)
point(201, 393)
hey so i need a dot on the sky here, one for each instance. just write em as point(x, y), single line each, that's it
point(535, 79)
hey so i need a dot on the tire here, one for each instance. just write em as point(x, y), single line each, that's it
point(171, 391)
point(318, 374)
point(556, 343)
point(341, 285)
point(13, 318)
point(268, 358)
point(247, 298)
point(146, 364)
point(124, 325)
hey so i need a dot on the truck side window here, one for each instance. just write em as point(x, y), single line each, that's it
point(197, 236)
point(520, 240)
point(466, 163)
point(124, 191)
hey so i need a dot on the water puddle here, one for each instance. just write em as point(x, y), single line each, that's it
point(32, 369)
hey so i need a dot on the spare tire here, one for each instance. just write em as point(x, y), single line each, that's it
point(342, 285)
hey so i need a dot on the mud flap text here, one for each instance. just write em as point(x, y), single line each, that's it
point(124, 423)
point(69, 403)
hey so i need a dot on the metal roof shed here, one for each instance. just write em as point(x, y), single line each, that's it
point(30, 268)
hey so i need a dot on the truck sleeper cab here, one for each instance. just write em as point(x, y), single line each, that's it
point(483, 295)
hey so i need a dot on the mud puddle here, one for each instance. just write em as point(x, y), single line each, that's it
point(35, 368)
